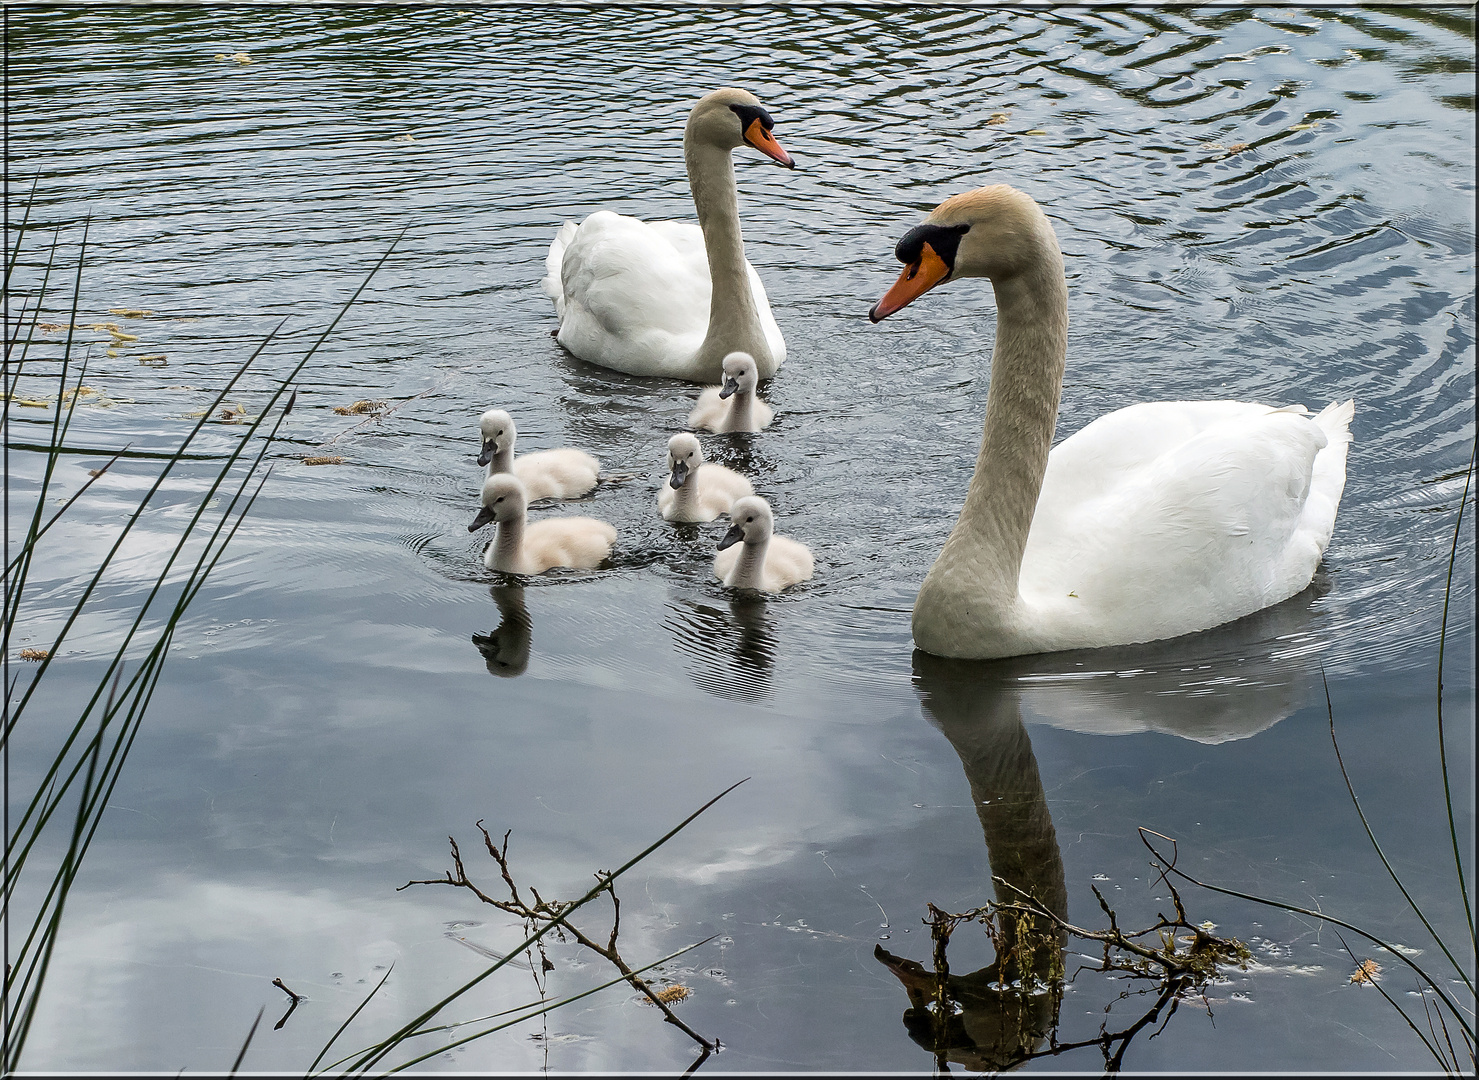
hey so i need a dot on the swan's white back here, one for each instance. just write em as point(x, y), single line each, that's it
point(1169, 517)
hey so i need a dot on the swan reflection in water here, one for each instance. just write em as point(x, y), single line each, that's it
point(1221, 685)
point(731, 653)
point(1006, 1010)
point(1216, 686)
point(506, 649)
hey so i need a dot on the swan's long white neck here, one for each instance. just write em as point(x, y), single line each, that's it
point(749, 568)
point(983, 556)
point(508, 550)
point(502, 460)
point(734, 322)
point(742, 410)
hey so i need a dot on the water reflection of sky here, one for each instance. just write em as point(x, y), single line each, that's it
point(328, 718)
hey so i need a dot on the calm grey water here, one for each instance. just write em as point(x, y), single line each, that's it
point(326, 722)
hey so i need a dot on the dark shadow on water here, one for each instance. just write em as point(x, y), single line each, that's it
point(506, 648)
point(730, 653)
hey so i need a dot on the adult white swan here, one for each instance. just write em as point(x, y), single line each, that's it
point(1153, 521)
point(667, 297)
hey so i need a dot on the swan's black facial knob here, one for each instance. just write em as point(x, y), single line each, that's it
point(928, 253)
point(755, 123)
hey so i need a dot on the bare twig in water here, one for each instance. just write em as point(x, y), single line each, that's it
point(380, 410)
point(1177, 957)
point(291, 1005)
point(537, 912)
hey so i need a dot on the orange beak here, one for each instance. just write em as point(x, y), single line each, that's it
point(764, 141)
point(916, 280)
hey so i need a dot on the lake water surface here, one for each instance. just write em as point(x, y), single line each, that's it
point(326, 721)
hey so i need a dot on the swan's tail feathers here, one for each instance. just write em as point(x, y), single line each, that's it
point(1335, 418)
point(1328, 481)
point(553, 287)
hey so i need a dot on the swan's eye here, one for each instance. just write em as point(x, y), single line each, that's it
point(748, 520)
point(498, 500)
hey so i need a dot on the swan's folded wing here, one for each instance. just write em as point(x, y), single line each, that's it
point(630, 295)
point(1201, 519)
point(553, 262)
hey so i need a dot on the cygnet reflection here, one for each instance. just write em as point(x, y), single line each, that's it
point(1227, 683)
point(1006, 1010)
point(730, 653)
point(506, 649)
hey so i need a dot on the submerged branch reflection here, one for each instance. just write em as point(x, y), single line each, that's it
point(995, 1017)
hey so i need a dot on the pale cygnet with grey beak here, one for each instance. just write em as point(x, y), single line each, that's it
point(733, 406)
point(546, 474)
point(751, 556)
point(697, 490)
point(522, 547)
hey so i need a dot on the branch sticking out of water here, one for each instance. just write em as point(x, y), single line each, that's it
point(1017, 997)
point(546, 913)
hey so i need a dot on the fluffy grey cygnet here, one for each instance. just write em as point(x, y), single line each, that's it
point(547, 474)
point(522, 547)
point(734, 405)
point(697, 490)
point(751, 556)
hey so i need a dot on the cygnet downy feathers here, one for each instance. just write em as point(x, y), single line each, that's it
point(752, 557)
point(733, 406)
point(524, 547)
point(546, 474)
point(697, 490)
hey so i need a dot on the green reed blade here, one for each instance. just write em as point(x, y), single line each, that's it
point(529, 1012)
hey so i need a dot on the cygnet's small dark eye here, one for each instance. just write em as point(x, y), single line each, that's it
point(498, 500)
point(749, 519)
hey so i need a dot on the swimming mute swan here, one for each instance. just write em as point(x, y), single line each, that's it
point(697, 490)
point(752, 557)
point(667, 297)
point(1153, 521)
point(733, 405)
point(547, 474)
point(524, 548)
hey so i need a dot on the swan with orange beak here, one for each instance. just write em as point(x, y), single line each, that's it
point(1159, 519)
point(668, 298)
